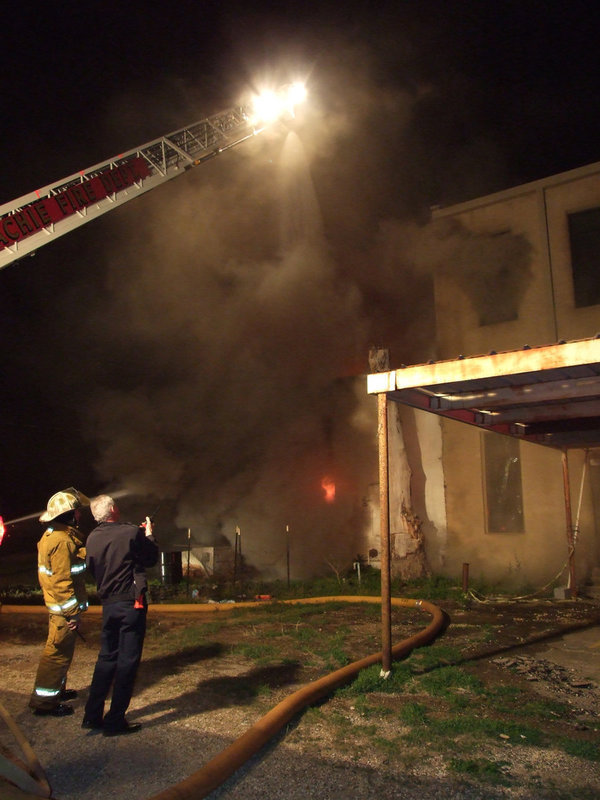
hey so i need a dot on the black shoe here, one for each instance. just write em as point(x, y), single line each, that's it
point(68, 694)
point(92, 724)
point(126, 727)
point(58, 711)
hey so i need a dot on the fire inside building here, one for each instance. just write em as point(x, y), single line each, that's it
point(515, 493)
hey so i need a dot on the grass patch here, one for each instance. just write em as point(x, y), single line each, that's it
point(182, 637)
point(334, 654)
point(427, 658)
point(444, 682)
point(21, 595)
point(590, 751)
point(505, 692)
point(545, 709)
point(366, 707)
point(289, 614)
point(190, 637)
point(414, 714)
point(474, 725)
point(304, 634)
point(261, 653)
point(389, 746)
point(433, 588)
point(483, 769)
point(369, 680)
point(336, 658)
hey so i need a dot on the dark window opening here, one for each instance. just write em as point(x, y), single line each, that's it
point(584, 237)
point(503, 486)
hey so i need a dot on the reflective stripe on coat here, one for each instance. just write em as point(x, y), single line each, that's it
point(61, 570)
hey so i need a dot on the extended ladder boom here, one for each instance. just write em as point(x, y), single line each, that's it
point(45, 214)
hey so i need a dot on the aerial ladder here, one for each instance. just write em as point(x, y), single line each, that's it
point(40, 217)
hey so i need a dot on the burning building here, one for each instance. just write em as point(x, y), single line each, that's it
point(515, 493)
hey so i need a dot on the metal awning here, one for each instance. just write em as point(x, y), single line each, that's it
point(549, 395)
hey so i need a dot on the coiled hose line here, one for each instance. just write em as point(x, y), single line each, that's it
point(222, 766)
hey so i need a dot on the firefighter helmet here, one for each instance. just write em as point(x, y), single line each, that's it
point(61, 502)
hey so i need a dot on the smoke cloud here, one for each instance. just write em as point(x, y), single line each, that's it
point(206, 344)
point(243, 300)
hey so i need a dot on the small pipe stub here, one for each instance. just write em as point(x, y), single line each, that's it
point(465, 578)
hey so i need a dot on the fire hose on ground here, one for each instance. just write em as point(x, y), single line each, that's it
point(228, 761)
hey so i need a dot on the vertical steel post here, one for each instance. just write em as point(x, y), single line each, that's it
point(189, 543)
point(384, 530)
point(287, 553)
point(240, 560)
point(465, 578)
point(569, 517)
point(236, 554)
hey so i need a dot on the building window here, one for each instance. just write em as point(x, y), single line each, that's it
point(584, 236)
point(503, 487)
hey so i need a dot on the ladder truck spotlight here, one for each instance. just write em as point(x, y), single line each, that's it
point(37, 218)
point(271, 105)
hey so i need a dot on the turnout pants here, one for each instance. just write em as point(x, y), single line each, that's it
point(54, 664)
point(123, 631)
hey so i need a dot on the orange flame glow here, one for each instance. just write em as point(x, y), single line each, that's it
point(328, 486)
point(2, 529)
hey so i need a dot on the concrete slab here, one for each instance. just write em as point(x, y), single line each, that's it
point(578, 650)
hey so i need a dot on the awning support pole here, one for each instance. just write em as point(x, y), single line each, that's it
point(384, 530)
point(570, 539)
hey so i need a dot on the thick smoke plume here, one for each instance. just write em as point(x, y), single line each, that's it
point(243, 301)
point(238, 361)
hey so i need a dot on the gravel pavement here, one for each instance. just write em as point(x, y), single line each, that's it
point(89, 766)
point(180, 735)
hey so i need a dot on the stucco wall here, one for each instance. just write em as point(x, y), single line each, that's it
point(546, 314)
point(457, 319)
point(529, 559)
point(561, 200)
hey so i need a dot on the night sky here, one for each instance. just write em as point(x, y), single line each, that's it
point(195, 346)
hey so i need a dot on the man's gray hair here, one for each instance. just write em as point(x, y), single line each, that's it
point(101, 507)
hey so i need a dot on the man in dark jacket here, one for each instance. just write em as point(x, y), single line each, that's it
point(117, 554)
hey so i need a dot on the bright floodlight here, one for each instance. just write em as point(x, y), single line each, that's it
point(267, 106)
point(296, 93)
point(270, 105)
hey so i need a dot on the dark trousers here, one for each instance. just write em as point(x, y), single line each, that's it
point(123, 630)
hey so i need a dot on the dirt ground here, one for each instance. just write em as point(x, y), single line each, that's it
point(195, 700)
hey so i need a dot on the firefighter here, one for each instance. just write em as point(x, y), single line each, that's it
point(61, 568)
